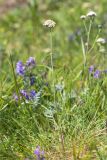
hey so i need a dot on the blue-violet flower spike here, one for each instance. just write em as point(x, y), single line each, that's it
point(91, 69)
point(20, 68)
point(31, 62)
point(97, 74)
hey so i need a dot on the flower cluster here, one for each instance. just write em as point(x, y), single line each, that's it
point(49, 23)
point(101, 41)
point(90, 14)
point(15, 97)
point(91, 68)
point(21, 68)
point(31, 62)
point(95, 72)
point(25, 71)
point(32, 80)
point(28, 95)
point(39, 154)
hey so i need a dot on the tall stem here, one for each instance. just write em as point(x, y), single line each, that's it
point(15, 79)
point(51, 54)
point(52, 67)
point(88, 35)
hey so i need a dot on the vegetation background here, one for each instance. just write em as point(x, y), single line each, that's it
point(67, 119)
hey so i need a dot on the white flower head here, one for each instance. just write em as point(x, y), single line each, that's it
point(91, 14)
point(49, 23)
point(101, 40)
point(83, 17)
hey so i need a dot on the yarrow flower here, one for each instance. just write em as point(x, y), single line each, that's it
point(20, 68)
point(83, 17)
point(91, 14)
point(49, 23)
point(39, 154)
point(97, 74)
point(91, 69)
point(101, 40)
point(31, 62)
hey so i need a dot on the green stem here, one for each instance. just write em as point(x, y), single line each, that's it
point(94, 43)
point(84, 52)
point(85, 26)
point(51, 54)
point(52, 67)
point(88, 36)
point(15, 80)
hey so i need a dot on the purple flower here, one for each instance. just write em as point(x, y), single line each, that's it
point(91, 69)
point(32, 94)
point(24, 94)
point(97, 74)
point(31, 62)
point(32, 80)
point(15, 97)
point(20, 68)
point(37, 150)
point(39, 154)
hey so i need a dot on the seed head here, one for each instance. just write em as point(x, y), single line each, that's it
point(91, 14)
point(49, 23)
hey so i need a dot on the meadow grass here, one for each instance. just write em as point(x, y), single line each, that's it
point(53, 82)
